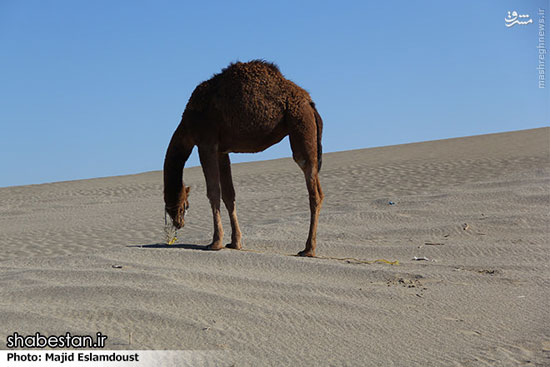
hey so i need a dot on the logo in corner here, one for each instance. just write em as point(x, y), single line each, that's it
point(514, 18)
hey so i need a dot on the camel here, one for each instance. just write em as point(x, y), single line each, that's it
point(245, 108)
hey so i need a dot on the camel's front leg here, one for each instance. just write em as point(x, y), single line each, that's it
point(210, 167)
point(228, 196)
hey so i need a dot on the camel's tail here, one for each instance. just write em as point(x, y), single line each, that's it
point(319, 123)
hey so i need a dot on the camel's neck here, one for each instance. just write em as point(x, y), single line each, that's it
point(177, 154)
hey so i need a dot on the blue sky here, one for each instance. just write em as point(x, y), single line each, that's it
point(96, 88)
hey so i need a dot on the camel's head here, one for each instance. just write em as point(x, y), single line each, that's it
point(177, 212)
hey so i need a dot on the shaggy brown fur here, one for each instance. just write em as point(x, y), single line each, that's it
point(244, 109)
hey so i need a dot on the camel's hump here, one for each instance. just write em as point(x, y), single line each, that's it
point(253, 65)
point(255, 84)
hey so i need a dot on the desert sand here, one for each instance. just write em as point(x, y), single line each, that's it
point(87, 256)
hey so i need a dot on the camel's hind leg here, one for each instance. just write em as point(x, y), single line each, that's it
point(304, 151)
point(228, 196)
point(210, 166)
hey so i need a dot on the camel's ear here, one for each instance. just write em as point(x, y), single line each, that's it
point(187, 189)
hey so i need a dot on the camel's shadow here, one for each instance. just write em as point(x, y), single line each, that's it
point(185, 246)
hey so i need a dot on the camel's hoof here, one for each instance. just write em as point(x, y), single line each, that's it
point(214, 247)
point(234, 246)
point(306, 253)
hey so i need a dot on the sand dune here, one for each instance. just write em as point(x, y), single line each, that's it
point(476, 207)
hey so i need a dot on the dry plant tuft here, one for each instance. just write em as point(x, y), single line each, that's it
point(170, 232)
